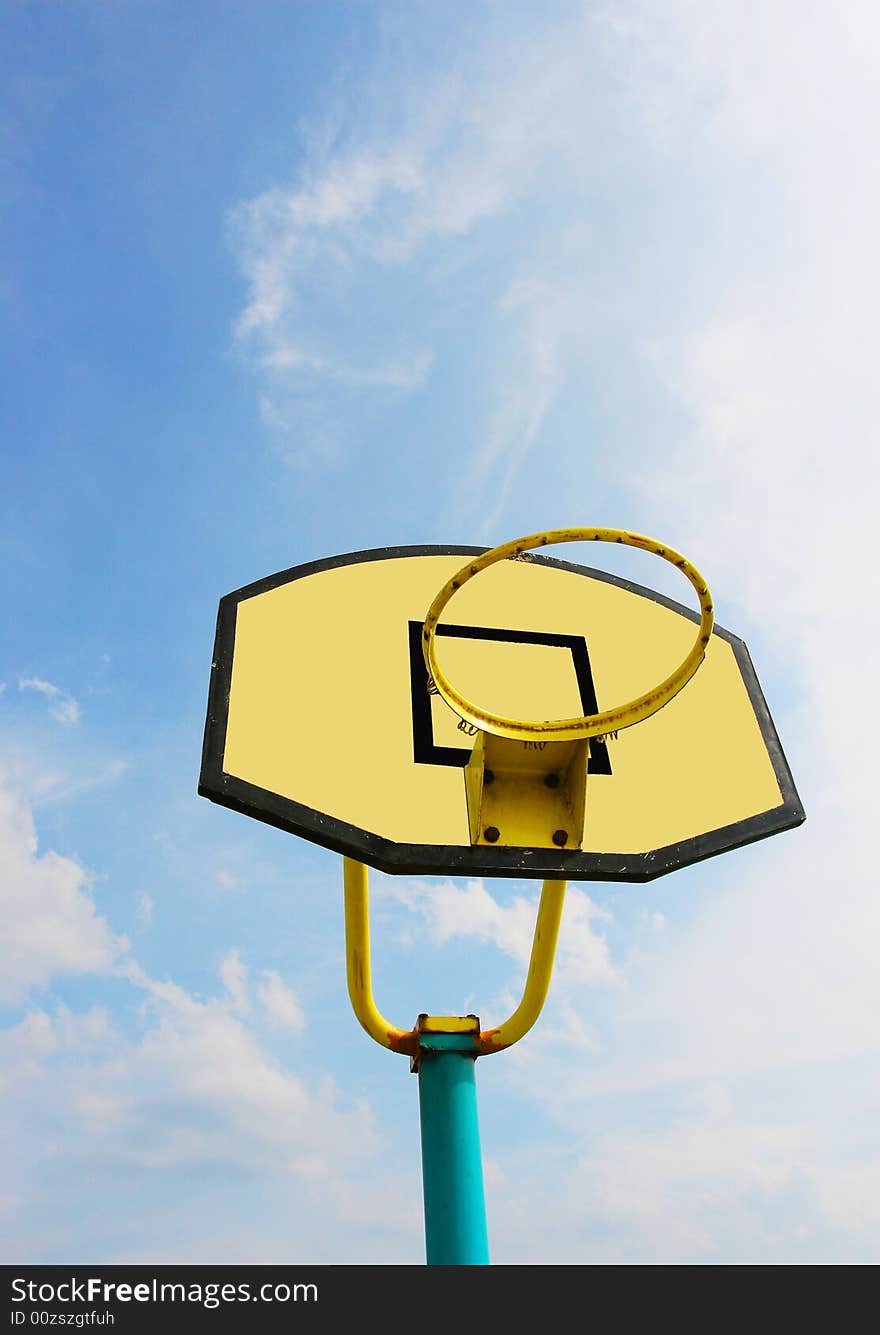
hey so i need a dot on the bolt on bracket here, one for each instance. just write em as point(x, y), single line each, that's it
point(527, 794)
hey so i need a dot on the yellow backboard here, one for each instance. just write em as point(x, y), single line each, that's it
point(321, 721)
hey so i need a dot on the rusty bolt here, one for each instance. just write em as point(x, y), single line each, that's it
point(551, 780)
point(491, 834)
point(560, 838)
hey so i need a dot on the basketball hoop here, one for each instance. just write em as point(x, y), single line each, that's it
point(590, 725)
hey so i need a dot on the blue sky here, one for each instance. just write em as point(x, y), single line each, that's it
point(282, 281)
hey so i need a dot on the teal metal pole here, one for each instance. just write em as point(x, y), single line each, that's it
point(452, 1166)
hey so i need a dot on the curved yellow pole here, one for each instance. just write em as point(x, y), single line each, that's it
point(360, 983)
point(357, 959)
point(538, 977)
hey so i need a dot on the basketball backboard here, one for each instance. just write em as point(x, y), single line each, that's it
point(322, 720)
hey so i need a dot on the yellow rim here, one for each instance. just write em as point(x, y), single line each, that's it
point(591, 725)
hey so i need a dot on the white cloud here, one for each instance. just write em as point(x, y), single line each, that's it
point(224, 1100)
point(192, 1090)
point(233, 974)
point(769, 479)
point(90, 1092)
point(563, 1025)
point(201, 1051)
point(48, 922)
point(145, 906)
point(62, 705)
point(300, 244)
point(280, 1002)
point(456, 912)
point(669, 1188)
point(771, 484)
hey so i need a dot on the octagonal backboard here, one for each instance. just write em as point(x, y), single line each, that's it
point(321, 718)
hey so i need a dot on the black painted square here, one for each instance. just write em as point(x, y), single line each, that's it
point(427, 752)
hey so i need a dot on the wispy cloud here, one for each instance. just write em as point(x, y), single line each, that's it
point(304, 254)
point(145, 907)
point(62, 705)
point(280, 1002)
point(399, 375)
point(348, 267)
point(45, 778)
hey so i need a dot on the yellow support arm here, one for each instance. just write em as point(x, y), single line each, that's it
point(357, 959)
point(360, 984)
